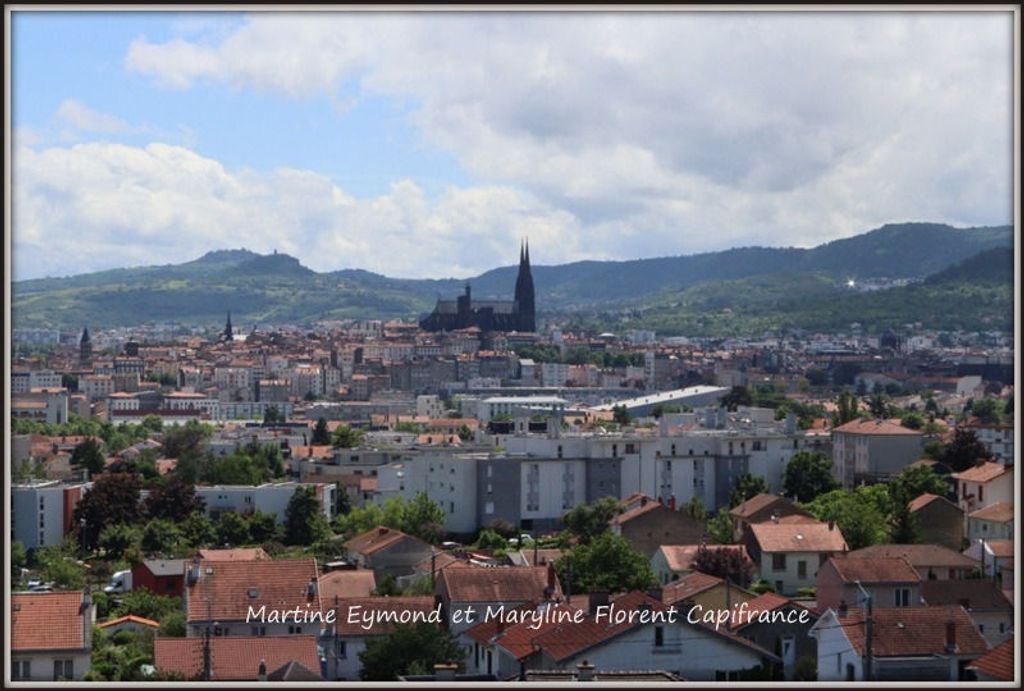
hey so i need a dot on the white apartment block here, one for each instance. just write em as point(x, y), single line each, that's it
point(41, 512)
point(24, 382)
point(272, 497)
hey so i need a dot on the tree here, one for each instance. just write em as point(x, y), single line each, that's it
point(18, 560)
point(271, 416)
point(232, 529)
point(175, 501)
point(160, 536)
point(587, 521)
point(172, 625)
point(347, 437)
point(423, 518)
point(620, 415)
point(746, 486)
point(720, 528)
point(846, 409)
point(725, 562)
point(305, 522)
point(465, 433)
point(878, 404)
point(964, 450)
point(858, 515)
point(114, 498)
point(321, 437)
point(144, 603)
point(488, 539)
point(409, 649)
point(914, 481)
point(186, 441)
point(88, 455)
point(263, 527)
point(695, 509)
point(807, 475)
point(198, 531)
point(57, 565)
point(737, 396)
point(987, 410)
point(912, 420)
point(118, 539)
point(607, 562)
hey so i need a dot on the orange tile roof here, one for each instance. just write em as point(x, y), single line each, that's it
point(223, 590)
point(879, 427)
point(680, 557)
point(998, 662)
point(688, 586)
point(920, 556)
point(234, 658)
point(983, 472)
point(46, 621)
point(913, 631)
point(130, 618)
point(1000, 512)
point(756, 503)
point(766, 602)
point(379, 609)
point(237, 554)
point(376, 539)
point(319, 452)
point(798, 537)
point(346, 583)
point(972, 593)
point(875, 570)
point(500, 584)
point(637, 511)
point(1000, 548)
point(925, 499)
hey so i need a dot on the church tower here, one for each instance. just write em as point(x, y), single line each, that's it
point(229, 333)
point(85, 349)
point(524, 291)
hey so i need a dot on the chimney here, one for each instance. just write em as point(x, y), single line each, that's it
point(445, 671)
point(843, 609)
point(831, 526)
point(584, 671)
point(598, 598)
point(643, 501)
point(261, 674)
point(951, 646)
point(672, 502)
point(311, 588)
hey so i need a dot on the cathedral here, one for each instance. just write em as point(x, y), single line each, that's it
point(489, 315)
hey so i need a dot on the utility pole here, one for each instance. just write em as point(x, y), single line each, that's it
point(868, 626)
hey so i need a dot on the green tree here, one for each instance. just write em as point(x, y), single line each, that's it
point(56, 564)
point(90, 456)
point(263, 527)
point(160, 536)
point(914, 481)
point(912, 420)
point(321, 437)
point(232, 529)
point(964, 450)
point(745, 487)
point(620, 415)
point(987, 410)
point(172, 625)
point(347, 437)
point(807, 475)
point(18, 560)
point(878, 404)
point(587, 521)
point(720, 528)
point(488, 539)
point(305, 522)
point(423, 518)
point(144, 603)
point(409, 649)
point(695, 509)
point(114, 498)
point(198, 531)
point(186, 441)
point(607, 562)
point(858, 515)
point(118, 539)
point(737, 396)
point(175, 500)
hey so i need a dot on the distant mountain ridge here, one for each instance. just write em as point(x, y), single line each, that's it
point(278, 288)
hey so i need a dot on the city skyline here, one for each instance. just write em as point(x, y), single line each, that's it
point(160, 136)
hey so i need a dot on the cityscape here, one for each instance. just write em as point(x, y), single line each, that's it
point(477, 427)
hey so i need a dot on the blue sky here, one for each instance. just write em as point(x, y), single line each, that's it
point(427, 144)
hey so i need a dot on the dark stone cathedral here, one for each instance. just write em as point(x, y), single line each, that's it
point(489, 315)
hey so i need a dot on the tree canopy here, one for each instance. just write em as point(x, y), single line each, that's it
point(807, 475)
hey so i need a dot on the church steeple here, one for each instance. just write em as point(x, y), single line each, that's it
point(524, 290)
point(229, 333)
point(85, 348)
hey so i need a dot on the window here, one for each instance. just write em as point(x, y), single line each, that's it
point(778, 562)
point(630, 448)
point(259, 631)
point(294, 629)
point(615, 450)
point(490, 488)
point(902, 597)
point(981, 628)
point(341, 650)
point(801, 569)
point(1002, 627)
point(489, 471)
point(451, 507)
point(659, 636)
point(981, 493)
point(559, 450)
point(673, 450)
point(22, 669)
point(489, 507)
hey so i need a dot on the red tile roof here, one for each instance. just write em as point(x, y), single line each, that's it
point(983, 473)
point(912, 631)
point(680, 557)
point(971, 593)
point(798, 537)
point(238, 554)
point(234, 658)
point(636, 512)
point(1000, 512)
point(920, 556)
point(875, 570)
point(385, 612)
point(47, 621)
point(766, 602)
point(375, 540)
point(499, 584)
point(688, 586)
point(130, 618)
point(758, 503)
point(996, 663)
point(876, 427)
point(346, 583)
point(227, 589)
point(925, 499)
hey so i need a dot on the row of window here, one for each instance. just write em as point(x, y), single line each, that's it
point(62, 669)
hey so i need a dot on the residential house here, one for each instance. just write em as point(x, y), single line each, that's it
point(939, 521)
point(932, 562)
point(474, 589)
point(240, 658)
point(991, 556)
point(51, 635)
point(989, 609)
point(983, 485)
point(908, 644)
point(997, 438)
point(873, 450)
point(160, 576)
point(701, 589)
point(777, 624)
point(241, 597)
point(788, 555)
point(234, 554)
point(359, 620)
point(387, 551)
point(889, 581)
point(992, 522)
point(130, 623)
point(671, 562)
point(344, 584)
point(652, 524)
point(760, 508)
point(997, 664)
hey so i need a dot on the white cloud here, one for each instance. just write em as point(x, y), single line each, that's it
point(173, 204)
point(670, 132)
point(79, 116)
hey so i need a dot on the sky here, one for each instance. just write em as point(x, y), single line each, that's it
point(427, 144)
